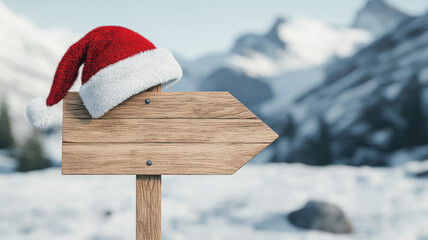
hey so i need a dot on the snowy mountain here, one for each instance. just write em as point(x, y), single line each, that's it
point(378, 17)
point(270, 44)
point(289, 45)
point(292, 45)
point(266, 61)
point(369, 107)
point(28, 60)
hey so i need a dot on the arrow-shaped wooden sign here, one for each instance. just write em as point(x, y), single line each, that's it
point(179, 132)
point(161, 133)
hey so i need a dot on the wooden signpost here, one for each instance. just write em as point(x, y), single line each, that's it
point(159, 133)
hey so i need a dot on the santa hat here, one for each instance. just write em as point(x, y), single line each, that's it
point(118, 63)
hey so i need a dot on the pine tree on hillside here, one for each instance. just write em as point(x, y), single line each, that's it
point(323, 147)
point(32, 156)
point(6, 137)
point(415, 131)
point(289, 130)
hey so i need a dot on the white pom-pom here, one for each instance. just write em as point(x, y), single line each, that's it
point(39, 114)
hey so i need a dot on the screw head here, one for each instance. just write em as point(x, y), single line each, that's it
point(147, 101)
point(149, 163)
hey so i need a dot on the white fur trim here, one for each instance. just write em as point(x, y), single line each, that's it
point(39, 114)
point(115, 83)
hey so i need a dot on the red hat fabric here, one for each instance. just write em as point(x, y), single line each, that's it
point(118, 63)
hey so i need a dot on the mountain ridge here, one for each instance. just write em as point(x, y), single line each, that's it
point(379, 17)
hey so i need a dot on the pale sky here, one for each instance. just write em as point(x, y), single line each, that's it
point(191, 28)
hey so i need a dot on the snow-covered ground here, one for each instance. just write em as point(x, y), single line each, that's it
point(381, 203)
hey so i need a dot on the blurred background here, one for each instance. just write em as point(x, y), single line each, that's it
point(344, 84)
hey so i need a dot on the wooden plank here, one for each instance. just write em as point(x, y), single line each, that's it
point(167, 130)
point(149, 194)
point(166, 105)
point(167, 158)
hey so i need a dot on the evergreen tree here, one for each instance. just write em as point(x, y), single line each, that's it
point(32, 156)
point(289, 130)
point(415, 131)
point(323, 146)
point(6, 137)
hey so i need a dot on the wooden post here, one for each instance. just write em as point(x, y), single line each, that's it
point(149, 207)
point(149, 199)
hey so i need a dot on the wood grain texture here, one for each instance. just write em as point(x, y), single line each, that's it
point(167, 158)
point(180, 132)
point(167, 130)
point(166, 105)
point(149, 194)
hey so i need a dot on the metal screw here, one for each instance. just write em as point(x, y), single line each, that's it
point(149, 163)
point(147, 101)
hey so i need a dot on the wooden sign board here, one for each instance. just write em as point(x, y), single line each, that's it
point(179, 132)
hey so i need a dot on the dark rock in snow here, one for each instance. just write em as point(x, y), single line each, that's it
point(321, 216)
point(107, 213)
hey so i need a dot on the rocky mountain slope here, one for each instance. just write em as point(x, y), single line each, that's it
point(379, 17)
point(368, 108)
point(288, 59)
